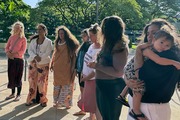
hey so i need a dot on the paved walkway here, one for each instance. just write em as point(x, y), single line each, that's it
point(10, 110)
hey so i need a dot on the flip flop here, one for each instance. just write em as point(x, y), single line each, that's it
point(28, 104)
point(18, 97)
point(136, 116)
point(80, 113)
point(9, 97)
point(123, 100)
point(43, 104)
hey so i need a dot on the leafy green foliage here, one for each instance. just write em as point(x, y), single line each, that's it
point(80, 14)
point(160, 8)
point(10, 12)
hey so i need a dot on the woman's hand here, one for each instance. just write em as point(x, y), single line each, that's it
point(10, 55)
point(37, 58)
point(144, 46)
point(15, 53)
point(177, 65)
point(134, 83)
point(91, 64)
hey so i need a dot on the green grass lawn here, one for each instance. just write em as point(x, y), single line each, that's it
point(134, 46)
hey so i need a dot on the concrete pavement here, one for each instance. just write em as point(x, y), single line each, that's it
point(10, 110)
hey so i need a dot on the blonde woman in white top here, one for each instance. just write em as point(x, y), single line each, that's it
point(39, 52)
point(89, 94)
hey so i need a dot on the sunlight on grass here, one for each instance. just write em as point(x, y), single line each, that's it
point(134, 46)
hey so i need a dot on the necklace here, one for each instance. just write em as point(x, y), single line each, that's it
point(62, 43)
point(40, 41)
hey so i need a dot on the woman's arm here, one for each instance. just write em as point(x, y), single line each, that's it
point(88, 77)
point(7, 48)
point(134, 83)
point(138, 60)
point(52, 60)
point(117, 69)
point(22, 45)
point(159, 60)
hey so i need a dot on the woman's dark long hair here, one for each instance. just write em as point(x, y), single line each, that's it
point(113, 29)
point(161, 24)
point(43, 27)
point(157, 22)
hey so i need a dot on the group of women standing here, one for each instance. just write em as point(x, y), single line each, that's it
point(40, 49)
point(101, 69)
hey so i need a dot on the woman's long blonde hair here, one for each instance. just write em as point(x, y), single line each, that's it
point(13, 32)
point(96, 29)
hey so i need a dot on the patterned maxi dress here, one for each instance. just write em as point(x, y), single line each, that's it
point(64, 75)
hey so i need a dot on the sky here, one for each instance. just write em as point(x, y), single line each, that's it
point(32, 3)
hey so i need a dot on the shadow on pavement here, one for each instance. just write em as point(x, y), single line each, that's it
point(20, 112)
point(54, 114)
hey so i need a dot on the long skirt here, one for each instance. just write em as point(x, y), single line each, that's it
point(89, 97)
point(38, 79)
point(62, 95)
point(15, 72)
point(106, 94)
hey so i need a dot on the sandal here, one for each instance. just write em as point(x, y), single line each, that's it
point(136, 116)
point(29, 104)
point(43, 104)
point(123, 100)
point(55, 105)
point(9, 97)
point(18, 97)
point(79, 113)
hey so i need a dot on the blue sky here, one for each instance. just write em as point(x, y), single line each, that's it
point(32, 3)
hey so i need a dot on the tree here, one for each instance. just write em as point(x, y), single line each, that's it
point(74, 14)
point(159, 8)
point(10, 12)
point(128, 10)
point(80, 14)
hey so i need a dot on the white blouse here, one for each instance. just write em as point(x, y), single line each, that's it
point(43, 50)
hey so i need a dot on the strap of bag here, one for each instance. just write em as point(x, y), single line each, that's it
point(14, 44)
